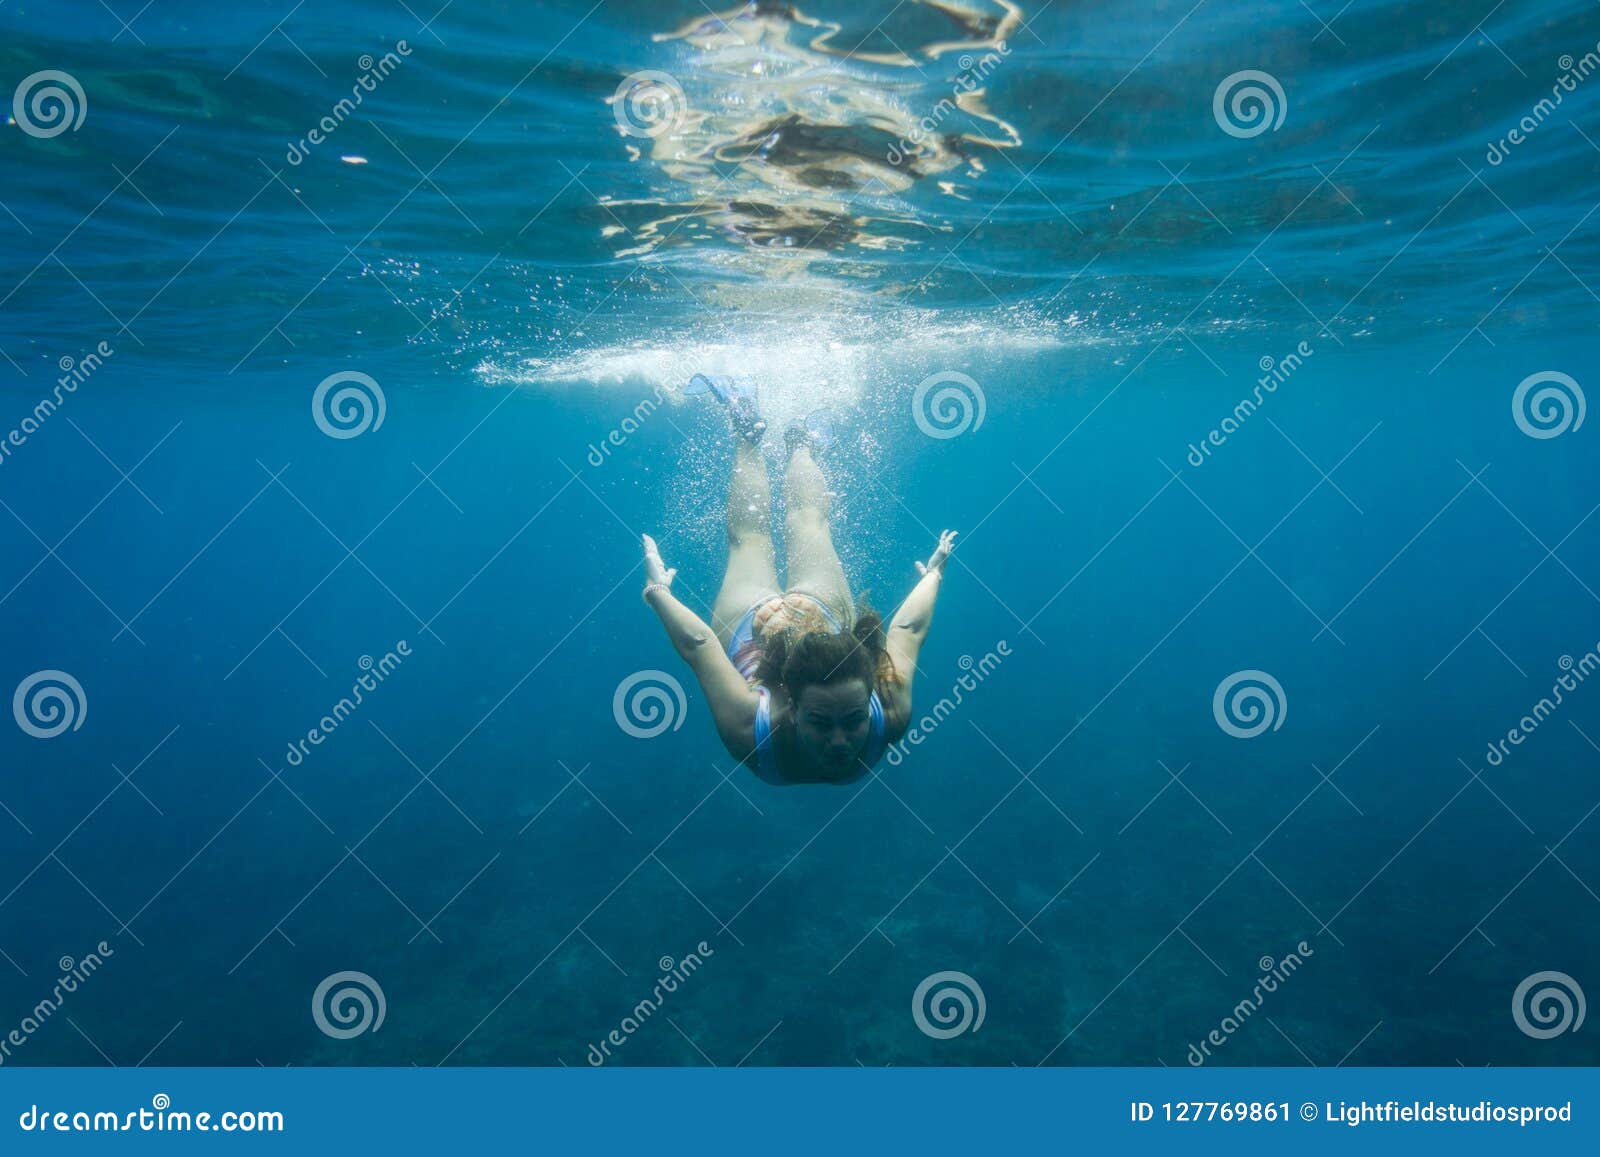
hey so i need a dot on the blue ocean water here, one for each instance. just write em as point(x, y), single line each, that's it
point(1218, 389)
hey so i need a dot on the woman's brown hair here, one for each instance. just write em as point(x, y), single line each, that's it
point(798, 659)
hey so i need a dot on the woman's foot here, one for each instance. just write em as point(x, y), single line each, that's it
point(816, 432)
point(739, 397)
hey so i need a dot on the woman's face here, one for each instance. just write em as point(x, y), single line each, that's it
point(832, 721)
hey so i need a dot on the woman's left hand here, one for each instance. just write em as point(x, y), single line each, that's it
point(656, 572)
point(941, 553)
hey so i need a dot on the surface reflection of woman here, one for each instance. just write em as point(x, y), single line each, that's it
point(805, 685)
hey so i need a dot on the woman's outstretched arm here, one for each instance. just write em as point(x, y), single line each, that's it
point(909, 628)
point(733, 703)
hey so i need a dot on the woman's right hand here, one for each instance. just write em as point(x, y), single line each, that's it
point(941, 553)
point(656, 572)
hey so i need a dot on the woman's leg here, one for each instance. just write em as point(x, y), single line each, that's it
point(814, 565)
point(752, 573)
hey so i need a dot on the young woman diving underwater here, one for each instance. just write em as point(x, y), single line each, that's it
point(805, 684)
